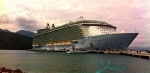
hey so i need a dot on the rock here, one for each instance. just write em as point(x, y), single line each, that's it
point(17, 71)
point(7, 70)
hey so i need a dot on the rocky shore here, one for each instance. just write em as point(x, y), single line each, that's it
point(7, 70)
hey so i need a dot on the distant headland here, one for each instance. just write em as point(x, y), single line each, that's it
point(20, 40)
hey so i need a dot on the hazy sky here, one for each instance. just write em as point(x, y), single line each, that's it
point(127, 15)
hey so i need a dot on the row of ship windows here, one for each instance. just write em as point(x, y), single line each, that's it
point(93, 37)
point(113, 44)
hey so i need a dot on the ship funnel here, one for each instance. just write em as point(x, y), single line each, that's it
point(47, 27)
point(53, 26)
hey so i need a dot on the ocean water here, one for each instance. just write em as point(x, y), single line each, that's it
point(61, 62)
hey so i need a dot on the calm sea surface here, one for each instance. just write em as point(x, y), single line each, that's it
point(56, 62)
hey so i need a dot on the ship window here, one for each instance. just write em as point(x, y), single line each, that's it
point(75, 41)
point(121, 43)
point(106, 43)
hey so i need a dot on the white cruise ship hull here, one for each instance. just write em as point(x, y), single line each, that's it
point(108, 41)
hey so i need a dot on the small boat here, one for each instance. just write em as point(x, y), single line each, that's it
point(76, 51)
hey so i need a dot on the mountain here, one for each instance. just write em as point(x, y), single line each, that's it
point(25, 33)
point(13, 41)
point(6, 30)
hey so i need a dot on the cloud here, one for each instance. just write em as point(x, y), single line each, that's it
point(4, 19)
point(27, 24)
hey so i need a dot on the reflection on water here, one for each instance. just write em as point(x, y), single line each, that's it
point(56, 62)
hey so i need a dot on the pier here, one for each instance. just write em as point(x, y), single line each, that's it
point(133, 53)
point(144, 55)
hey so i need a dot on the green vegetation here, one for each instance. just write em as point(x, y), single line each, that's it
point(10, 40)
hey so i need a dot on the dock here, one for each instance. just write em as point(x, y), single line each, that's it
point(143, 55)
point(46, 50)
point(133, 53)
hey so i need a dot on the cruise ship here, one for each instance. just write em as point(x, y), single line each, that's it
point(83, 35)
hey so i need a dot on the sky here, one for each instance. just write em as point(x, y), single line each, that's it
point(31, 15)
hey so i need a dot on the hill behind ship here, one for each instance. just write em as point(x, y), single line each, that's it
point(13, 41)
point(25, 33)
